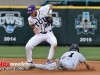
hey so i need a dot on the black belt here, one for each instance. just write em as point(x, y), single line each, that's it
point(45, 32)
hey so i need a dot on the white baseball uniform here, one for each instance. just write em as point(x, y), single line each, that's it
point(45, 33)
point(70, 60)
point(51, 66)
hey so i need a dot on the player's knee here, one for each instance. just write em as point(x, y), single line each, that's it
point(27, 47)
point(54, 44)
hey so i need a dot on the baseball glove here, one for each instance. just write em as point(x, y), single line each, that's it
point(49, 19)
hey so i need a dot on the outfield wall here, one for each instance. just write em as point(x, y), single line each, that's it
point(71, 25)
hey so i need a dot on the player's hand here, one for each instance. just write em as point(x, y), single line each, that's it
point(90, 68)
point(36, 30)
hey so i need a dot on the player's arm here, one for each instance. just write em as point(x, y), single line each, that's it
point(31, 24)
point(50, 10)
point(88, 66)
point(49, 17)
point(47, 10)
point(35, 29)
point(83, 60)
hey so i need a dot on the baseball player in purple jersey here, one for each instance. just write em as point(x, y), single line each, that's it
point(41, 22)
point(68, 61)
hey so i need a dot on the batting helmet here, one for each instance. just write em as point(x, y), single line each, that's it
point(74, 47)
point(31, 9)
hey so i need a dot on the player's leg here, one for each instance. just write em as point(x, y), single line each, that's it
point(39, 66)
point(35, 40)
point(51, 39)
point(51, 66)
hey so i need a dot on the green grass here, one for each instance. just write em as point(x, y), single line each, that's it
point(91, 53)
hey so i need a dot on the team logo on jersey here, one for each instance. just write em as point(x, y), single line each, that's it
point(85, 24)
point(56, 20)
point(10, 20)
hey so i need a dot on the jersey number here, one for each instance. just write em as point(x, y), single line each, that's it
point(71, 55)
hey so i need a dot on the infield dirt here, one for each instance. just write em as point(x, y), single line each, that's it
point(81, 69)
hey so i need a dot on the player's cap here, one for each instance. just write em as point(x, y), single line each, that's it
point(31, 9)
